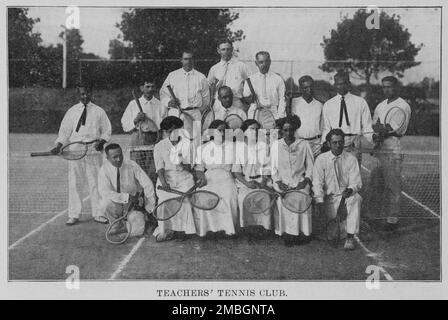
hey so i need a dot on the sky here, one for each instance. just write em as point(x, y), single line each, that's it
point(289, 34)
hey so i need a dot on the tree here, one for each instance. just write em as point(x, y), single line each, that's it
point(23, 46)
point(367, 52)
point(164, 33)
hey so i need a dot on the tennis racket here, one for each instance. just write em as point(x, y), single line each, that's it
point(234, 121)
point(200, 199)
point(120, 229)
point(72, 151)
point(148, 133)
point(186, 118)
point(333, 226)
point(260, 201)
point(262, 113)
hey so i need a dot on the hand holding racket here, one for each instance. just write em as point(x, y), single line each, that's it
point(72, 151)
point(147, 129)
point(184, 116)
point(201, 199)
point(262, 113)
point(333, 226)
point(120, 229)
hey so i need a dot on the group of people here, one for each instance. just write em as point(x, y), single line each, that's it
point(295, 161)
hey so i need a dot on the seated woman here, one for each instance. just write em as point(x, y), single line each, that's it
point(292, 167)
point(252, 167)
point(213, 170)
point(173, 165)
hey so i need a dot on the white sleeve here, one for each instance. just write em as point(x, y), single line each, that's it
point(106, 190)
point(127, 120)
point(366, 120)
point(66, 128)
point(165, 95)
point(326, 125)
point(355, 182)
point(147, 185)
point(318, 180)
point(106, 127)
point(281, 111)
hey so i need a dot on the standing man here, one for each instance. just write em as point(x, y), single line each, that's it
point(309, 110)
point(154, 110)
point(191, 90)
point(119, 181)
point(335, 175)
point(229, 72)
point(225, 96)
point(84, 121)
point(268, 86)
point(386, 178)
point(349, 113)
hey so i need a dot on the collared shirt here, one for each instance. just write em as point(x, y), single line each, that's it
point(211, 155)
point(132, 178)
point(97, 124)
point(291, 164)
point(310, 115)
point(392, 143)
point(235, 75)
point(327, 182)
point(273, 96)
point(358, 115)
point(190, 88)
point(252, 159)
point(170, 157)
point(221, 113)
point(153, 109)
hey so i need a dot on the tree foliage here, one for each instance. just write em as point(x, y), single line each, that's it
point(367, 52)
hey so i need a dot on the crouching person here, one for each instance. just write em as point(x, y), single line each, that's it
point(336, 174)
point(119, 181)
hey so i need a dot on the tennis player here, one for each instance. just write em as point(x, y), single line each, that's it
point(336, 174)
point(84, 121)
point(229, 72)
point(292, 168)
point(386, 178)
point(348, 112)
point(269, 88)
point(173, 165)
point(251, 166)
point(118, 181)
point(309, 110)
point(213, 170)
point(190, 88)
point(154, 110)
point(226, 107)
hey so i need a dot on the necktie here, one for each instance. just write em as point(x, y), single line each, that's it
point(118, 180)
point(342, 112)
point(226, 67)
point(189, 98)
point(264, 93)
point(82, 119)
point(338, 170)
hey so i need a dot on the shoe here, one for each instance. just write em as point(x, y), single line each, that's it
point(303, 240)
point(101, 219)
point(72, 221)
point(287, 241)
point(349, 244)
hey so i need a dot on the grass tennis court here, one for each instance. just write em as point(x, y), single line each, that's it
point(41, 246)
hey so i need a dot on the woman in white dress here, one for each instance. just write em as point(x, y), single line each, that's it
point(252, 167)
point(214, 161)
point(292, 167)
point(172, 160)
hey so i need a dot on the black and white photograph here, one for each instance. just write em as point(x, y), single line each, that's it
point(224, 143)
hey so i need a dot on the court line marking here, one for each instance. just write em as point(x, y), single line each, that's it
point(39, 228)
point(126, 259)
point(410, 198)
point(380, 263)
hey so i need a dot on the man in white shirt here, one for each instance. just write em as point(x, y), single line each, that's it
point(229, 72)
point(385, 187)
point(119, 180)
point(154, 110)
point(268, 86)
point(348, 112)
point(85, 122)
point(226, 108)
point(336, 174)
point(309, 110)
point(191, 90)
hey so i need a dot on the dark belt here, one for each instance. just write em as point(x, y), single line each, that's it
point(186, 109)
point(255, 177)
point(312, 138)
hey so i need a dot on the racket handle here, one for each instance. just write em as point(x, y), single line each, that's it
point(43, 154)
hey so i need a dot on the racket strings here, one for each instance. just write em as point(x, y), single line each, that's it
point(168, 208)
point(297, 201)
point(204, 200)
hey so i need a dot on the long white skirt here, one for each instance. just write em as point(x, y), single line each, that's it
point(289, 222)
point(225, 216)
point(248, 219)
point(184, 219)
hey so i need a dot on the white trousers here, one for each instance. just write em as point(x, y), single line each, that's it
point(353, 204)
point(81, 173)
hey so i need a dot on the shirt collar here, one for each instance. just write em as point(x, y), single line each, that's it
point(347, 95)
point(187, 73)
point(261, 75)
point(224, 62)
point(332, 156)
point(143, 99)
